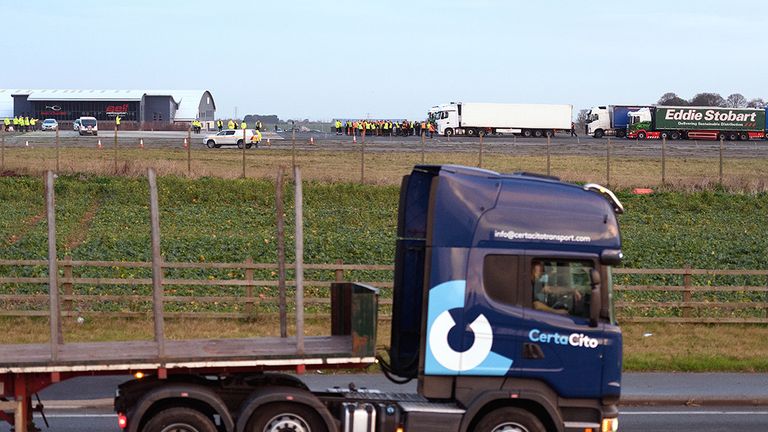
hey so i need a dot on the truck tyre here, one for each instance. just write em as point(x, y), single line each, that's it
point(278, 417)
point(641, 135)
point(448, 132)
point(537, 133)
point(599, 133)
point(732, 136)
point(179, 420)
point(510, 419)
point(210, 143)
point(471, 131)
point(674, 136)
point(620, 133)
point(663, 135)
point(548, 133)
point(239, 143)
point(527, 133)
point(743, 136)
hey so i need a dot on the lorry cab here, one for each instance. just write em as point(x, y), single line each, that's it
point(598, 121)
point(503, 287)
point(445, 117)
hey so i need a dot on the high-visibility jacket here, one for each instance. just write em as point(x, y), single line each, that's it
point(243, 125)
point(219, 124)
point(7, 121)
point(26, 121)
point(33, 121)
point(256, 138)
point(15, 121)
point(431, 127)
point(230, 125)
point(117, 121)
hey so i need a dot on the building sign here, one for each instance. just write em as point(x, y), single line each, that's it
point(116, 110)
point(53, 113)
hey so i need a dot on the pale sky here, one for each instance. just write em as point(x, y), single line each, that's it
point(389, 59)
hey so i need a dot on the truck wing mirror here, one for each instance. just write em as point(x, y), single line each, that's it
point(595, 299)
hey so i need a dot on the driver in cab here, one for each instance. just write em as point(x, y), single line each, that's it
point(548, 297)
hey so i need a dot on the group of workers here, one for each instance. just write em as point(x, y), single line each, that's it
point(384, 127)
point(20, 124)
point(232, 125)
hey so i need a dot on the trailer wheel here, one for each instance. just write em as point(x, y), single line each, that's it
point(510, 419)
point(621, 133)
point(743, 137)
point(641, 135)
point(663, 135)
point(548, 133)
point(278, 417)
point(179, 420)
point(732, 136)
point(527, 133)
point(674, 136)
point(471, 132)
point(720, 136)
point(538, 133)
point(448, 132)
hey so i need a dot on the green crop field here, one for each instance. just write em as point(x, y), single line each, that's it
point(219, 220)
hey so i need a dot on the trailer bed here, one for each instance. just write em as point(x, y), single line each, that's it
point(99, 356)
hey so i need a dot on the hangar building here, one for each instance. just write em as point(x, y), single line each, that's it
point(159, 106)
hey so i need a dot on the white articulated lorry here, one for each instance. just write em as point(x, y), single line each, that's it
point(529, 120)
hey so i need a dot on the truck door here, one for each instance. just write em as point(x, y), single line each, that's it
point(559, 346)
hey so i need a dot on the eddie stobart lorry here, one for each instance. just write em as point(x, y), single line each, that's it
point(502, 310)
point(704, 123)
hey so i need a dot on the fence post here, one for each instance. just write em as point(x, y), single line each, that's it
point(422, 146)
point(281, 251)
point(721, 161)
point(362, 157)
point(299, 259)
point(664, 161)
point(67, 284)
point(687, 293)
point(608, 164)
point(57, 150)
point(249, 287)
point(293, 146)
point(339, 271)
point(548, 158)
point(53, 271)
point(157, 264)
point(189, 151)
point(2, 153)
point(244, 153)
point(115, 155)
point(480, 161)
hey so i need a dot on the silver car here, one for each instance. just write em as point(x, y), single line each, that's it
point(49, 124)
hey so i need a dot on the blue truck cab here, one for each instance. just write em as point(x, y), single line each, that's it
point(503, 299)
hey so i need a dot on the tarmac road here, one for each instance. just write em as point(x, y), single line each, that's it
point(701, 402)
point(560, 144)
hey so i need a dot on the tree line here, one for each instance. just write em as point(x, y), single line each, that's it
point(735, 100)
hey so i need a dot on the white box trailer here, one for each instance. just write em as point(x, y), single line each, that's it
point(496, 118)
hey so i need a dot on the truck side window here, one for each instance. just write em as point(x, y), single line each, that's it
point(500, 278)
point(561, 286)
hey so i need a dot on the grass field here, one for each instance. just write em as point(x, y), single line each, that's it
point(211, 219)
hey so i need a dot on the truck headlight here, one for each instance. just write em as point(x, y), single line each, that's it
point(610, 425)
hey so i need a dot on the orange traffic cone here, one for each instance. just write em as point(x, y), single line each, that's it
point(99, 143)
point(185, 143)
point(141, 142)
point(269, 143)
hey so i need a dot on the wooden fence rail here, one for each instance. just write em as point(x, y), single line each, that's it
point(683, 309)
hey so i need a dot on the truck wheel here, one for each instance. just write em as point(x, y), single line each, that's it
point(620, 133)
point(663, 135)
point(548, 133)
point(471, 131)
point(599, 133)
point(674, 136)
point(481, 132)
point(510, 419)
point(448, 132)
point(211, 144)
point(743, 137)
point(239, 143)
point(641, 135)
point(537, 133)
point(179, 420)
point(280, 417)
point(732, 136)
point(720, 136)
point(527, 133)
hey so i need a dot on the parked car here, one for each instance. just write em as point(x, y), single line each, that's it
point(76, 125)
point(49, 124)
point(229, 137)
point(88, 126)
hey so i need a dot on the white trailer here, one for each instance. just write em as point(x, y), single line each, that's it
point(496, 118)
